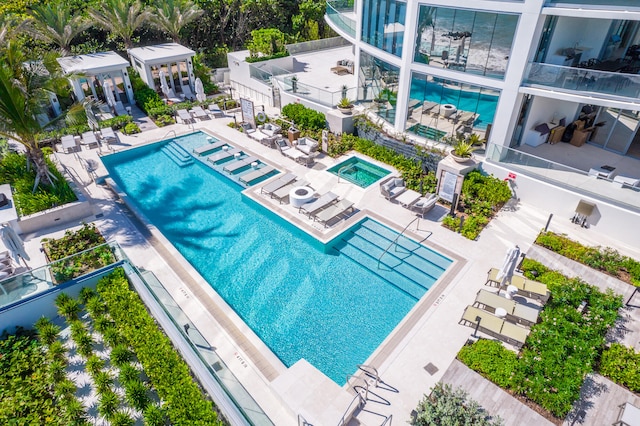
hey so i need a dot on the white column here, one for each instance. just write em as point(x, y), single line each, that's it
point(77, 88)
point(192, 79)
point(127, 86)
point(170, 76)
point(404, 77)
point(92, 87)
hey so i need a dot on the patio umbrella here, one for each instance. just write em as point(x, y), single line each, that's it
point(14, 244)
point(108, 93)
point(508, 266)
point(164, 86)
point(200, 96)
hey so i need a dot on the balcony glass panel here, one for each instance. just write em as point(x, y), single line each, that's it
point(336, 11)
point(600, 4)
point(465, 40)
point(378, 85)
point(583, 80)
point(383, 24)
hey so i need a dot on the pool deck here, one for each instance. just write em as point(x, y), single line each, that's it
point(429, 336)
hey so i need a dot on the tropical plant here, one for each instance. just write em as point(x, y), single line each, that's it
point(120, 355)
point(446, 406)
point(120, 418)
point(64, 388)
point(171, 16)
point(68, 307)
point(94, 365)
point(108, 403)
point(103, 381)
point(345, 103)
point(55, 23)
point(120, 17)
point(135, 393)
point(131, 129)
point(267, 43)
point(155, 415)
point(305, 118)
point(463, 149)
point(128, 373)
point(47, 331)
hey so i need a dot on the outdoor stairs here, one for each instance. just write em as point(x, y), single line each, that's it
point(407, 265)
point(177, 154)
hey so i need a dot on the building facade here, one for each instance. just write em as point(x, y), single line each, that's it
point(526, 75)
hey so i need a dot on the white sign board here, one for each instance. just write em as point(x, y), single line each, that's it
point(447, 185)
point(248, 115)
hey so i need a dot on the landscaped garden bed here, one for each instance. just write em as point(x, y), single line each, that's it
point(108, 364)
point(606, 259)
point(77, 253)
point(561, 349)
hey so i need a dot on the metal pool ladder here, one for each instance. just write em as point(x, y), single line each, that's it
point(346, 167)
point(395, 240)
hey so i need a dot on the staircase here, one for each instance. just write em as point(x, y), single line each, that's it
point(177, 154)
point(410, 267)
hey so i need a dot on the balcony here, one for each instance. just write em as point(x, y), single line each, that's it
point(588, 81)
point(340, 14)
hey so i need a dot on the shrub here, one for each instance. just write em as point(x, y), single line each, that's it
point(305, 118)
point(164, 120)
point(120, 355)
point(445, 406)
point(116, 123)
point(47, 331)
point(131, 129)
point(161, 110)
point(491, 359)
point(622, 365)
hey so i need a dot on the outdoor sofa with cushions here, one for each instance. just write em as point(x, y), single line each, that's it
point(424, 204)
point(392, 187)
point(307, 145)
point(270, 129)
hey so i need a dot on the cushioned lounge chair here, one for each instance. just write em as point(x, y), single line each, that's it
point(201, 150)
point(108, 135)
point(424, 205)
point(215, 111)
point(184, 116)
point(494, 326)
point(171, 97)
point(235, 166)
point(282, 193)
point(516, 312)
point(199, 113)
point(256, 174)
point(287, 149)
point(333, 211)
point(89, 139)
point(69, 143)
point(392, 187)
point(312, 208)
point(222, 156)
point(273, 186)
point(428, 106)
point(528, 288)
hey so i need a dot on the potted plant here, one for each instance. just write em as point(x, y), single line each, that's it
point(462, 151)
point(345, 106)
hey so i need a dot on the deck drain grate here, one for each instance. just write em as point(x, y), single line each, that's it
point(431, 369)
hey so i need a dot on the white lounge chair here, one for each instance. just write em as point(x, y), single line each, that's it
point(256, 174)
point(273, 186)
point(201, 150)
point(224, 155)
point(119, 107)
point(322, 202)
point(215, 111)
point(184, 116)
point(69, 143)
point(107, 134)
point(234, 166)
point(333, 211)
point(171, 97)
point(198, 112)
point(89, 139)
point(281, 193)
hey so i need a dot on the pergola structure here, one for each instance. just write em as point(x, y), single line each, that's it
point(173, 59)
point(88, 73)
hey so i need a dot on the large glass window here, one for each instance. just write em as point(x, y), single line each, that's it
point(378, 83)
point(464, 40)
point(439, 108)
point(383, 24)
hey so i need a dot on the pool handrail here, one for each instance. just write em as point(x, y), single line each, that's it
point(395, 241)
point(346, 166)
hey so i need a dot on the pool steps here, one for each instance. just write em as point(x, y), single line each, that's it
point(410, 267)
point(177, 154)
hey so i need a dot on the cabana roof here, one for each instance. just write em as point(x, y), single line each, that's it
point(93, 63)
point(161, 53)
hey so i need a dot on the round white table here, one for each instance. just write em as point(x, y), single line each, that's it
point(447, 110)
point(511, 291)
point(300, 195)
point(501, 312)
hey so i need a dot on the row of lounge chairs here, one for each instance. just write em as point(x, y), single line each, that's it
point(88, 139)
point(526, 287)
point(462, 117)
point(198, 113)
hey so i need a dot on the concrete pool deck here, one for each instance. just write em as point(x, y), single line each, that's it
point(433, 336)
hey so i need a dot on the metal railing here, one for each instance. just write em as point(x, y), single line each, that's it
point(335, 12)
point(347, 167)
point(395, 240)
point(583, 80)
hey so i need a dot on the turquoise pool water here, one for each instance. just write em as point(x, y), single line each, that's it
point(359, 171)
point(301, 300)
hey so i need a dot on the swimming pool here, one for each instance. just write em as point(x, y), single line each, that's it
point(276, 277)
point(358, 171)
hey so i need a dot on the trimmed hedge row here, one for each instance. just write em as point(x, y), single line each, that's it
point(622, 365)
point(561, 349)
point(603, 259)
point(184, 402)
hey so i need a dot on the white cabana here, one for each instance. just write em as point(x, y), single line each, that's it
point(95, 69)
point(173, 59)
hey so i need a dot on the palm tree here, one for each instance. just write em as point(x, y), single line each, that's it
point(121, 17)
point(55, 24)
point(172, 15)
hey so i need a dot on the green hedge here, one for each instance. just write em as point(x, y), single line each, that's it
point(622, 365)
point(184, 402)
point(561, 349)
point(305, 118)
point(14, 171)
point(603, 259)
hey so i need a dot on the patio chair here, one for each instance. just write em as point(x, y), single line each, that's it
point(222, 156)
point(392, 187)
point(201, 150)
point(171, 97)
point(199, 113)
point(495, 327)
point(492, 277)
point(89, 139)
point(516, 312)
point(256, 174)
point(215, 111)
point(333, 211)
point(424, 205)
point(530, 288)
point(428, 106)
point(322, 202)
point(235, 166)
point(119, 107)
point(307, 145)
point(629, 415)
point(307, 160)
point(69, 143)
point(184, 116)
point(282, 193)
point(273, 186)
point(108, 135)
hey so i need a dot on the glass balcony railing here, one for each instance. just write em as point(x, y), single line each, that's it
point(325, 97)
point(336, 11)
point(583, 80)
point(574, 180)
point(596, 4)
